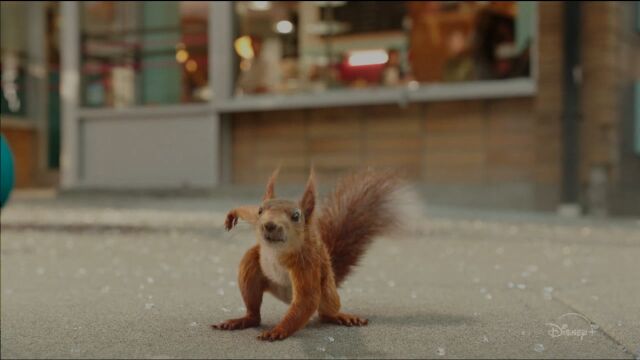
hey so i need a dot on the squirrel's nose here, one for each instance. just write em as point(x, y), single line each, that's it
point(270, 226)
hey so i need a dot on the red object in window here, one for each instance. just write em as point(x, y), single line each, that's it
point(368, 73)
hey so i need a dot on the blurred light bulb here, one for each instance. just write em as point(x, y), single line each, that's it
point(244, 47)
point(191, 65)
point(368, 57)
point(182, 55)
point(260, 5)
point(284, 27)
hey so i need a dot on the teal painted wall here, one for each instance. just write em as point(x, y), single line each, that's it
point(53, 117)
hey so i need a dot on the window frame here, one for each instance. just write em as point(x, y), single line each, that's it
point(221, 28)
point(424, 92)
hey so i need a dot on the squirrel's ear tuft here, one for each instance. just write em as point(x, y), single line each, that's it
point(270, 193)
point(308, 201)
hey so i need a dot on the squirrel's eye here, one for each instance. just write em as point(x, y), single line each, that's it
point(295, 216)
point(260, 211)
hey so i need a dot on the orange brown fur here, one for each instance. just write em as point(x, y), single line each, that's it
point(302, 256)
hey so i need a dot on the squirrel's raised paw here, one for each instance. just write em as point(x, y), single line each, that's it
point(274, 334)
point(231, 220)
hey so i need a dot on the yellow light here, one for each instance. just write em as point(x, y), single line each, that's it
point(182, 55)
point(244, 47)
point(191, 65)
point(368, 57)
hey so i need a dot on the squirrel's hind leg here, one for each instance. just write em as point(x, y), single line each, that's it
point(252, 283)
point(329, 310)
point(344, 319)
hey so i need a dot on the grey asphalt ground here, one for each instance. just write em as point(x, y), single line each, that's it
point(141, 277)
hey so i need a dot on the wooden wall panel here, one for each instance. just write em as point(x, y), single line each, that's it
point(22, 142)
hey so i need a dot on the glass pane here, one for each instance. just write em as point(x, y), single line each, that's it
point(286, 47)
point(144, 53)
point(13, 58)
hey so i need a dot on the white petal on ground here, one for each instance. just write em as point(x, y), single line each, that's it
point(331, 339)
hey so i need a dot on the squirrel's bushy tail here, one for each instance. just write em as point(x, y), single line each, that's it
point(362, 206)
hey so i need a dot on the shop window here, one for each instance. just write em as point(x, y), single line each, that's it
point(144, 53)
point(13, 59)
point(289, 47)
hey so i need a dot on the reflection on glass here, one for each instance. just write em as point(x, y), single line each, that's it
point(144, 53)
point(13, 59)
point(288, 47)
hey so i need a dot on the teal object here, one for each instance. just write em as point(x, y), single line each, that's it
point(7, 176)
point(524, 23)
point(161, 74)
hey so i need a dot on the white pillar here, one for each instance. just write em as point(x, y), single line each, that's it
point(37, 80)
point(69, 92)
point(221, 49)
point(221, 72)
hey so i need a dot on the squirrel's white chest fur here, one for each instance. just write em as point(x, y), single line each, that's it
point(272, 268)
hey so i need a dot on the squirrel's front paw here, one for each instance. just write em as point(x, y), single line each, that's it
point(237, 324)
point(231, 220)
point(276, 333)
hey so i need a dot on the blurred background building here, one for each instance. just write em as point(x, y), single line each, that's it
point(517, 104)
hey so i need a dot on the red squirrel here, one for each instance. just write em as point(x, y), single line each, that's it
point(303, 254)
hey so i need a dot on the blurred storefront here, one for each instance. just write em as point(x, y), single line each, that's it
point(29, 101)
point(508, 104)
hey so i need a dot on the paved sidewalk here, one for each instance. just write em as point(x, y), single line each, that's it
point(141, 277)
